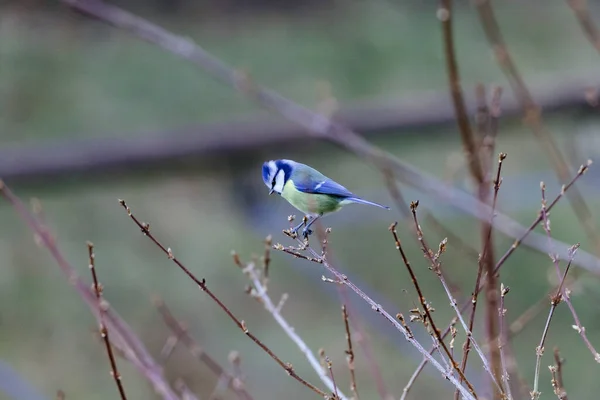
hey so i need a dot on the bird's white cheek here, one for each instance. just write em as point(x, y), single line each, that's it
point(279, 182)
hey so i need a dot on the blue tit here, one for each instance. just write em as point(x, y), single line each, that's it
point(308, 190)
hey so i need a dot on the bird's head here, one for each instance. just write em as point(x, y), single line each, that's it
point(275, 174)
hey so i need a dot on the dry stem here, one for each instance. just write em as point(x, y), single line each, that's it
point(533, 115)
point(486, 262)
point(197, 351)
point(502, 341)
point(557, 378)
point(582, 170)
point(287, 367)
point(259, 292)
point(350, 353)
point(399, 325)
point(122, 336)
point(103, 330)
point(435, 332)
point(565, 295)
point(436, 267)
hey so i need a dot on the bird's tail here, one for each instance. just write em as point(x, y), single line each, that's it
point(362, 201)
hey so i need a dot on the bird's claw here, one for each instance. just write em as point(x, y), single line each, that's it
point(306, 233)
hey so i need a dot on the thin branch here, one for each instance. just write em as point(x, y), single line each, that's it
point(557, 377)
point(588, 26)
point(198, 352)
point(435, 332)
point(259, 292)
point(565, 294)
point(554, 302)
point(122, 337)
point(502, 341)
point(533, 116)
point(485, 262)
point(435, 265)
point(287, 367)
point(350, 353)
point(313, 123)
point(103, 330)
point(582, 170)
point(398, 324)
point(466, 133)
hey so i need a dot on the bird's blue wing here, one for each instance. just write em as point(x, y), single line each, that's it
point(323, 186)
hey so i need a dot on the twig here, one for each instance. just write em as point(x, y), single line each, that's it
point(557, 378)
point(485, 262)
point(502, 341)
point(287, 367)
point(565, 294)
point(313, 123)
point(445, 16)
point(400, 326)
point(435, 265)
point(533, 115)
point(122, 336)
point(582, 170)
point(103, 330)
point(589, 28)
point(435, 332)
point(259, 292)
point(350, 353)
point(554, 301)
point(197, 351)
point(326, 361)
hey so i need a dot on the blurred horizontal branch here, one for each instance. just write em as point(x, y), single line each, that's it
point(399, 116)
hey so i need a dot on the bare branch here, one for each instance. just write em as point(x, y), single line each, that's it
point(122, 336)
point(400, 326)
point(201, 283)
point(103, 330)
point(503, 340)
point(259, 292)
point(198, 352)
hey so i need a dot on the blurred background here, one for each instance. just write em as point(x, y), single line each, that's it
point(89, 114)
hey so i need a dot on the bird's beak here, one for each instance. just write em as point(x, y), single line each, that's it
point(271, 191)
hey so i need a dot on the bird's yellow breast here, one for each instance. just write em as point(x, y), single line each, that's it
point(310, 203)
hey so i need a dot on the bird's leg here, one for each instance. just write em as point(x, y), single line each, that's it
point(307, 231)
point(304, 220)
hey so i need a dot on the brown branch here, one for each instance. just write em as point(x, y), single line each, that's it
point(582, 170)
point(434, 260)
point(287, 367)
point(589, 28)
point(122, 336)
point(398, 323)
point(565, 294)
point(259, 293)
point(485, 263)
point(435, 332)
point(350, 353)
point(460, 109)
point(503, 340)
point(197, 351)
point(557, 377)
point(103, 330)
point(554, 302)
point(314, 124)
point(533, 116)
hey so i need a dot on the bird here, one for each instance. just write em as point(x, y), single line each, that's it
point(308, 190)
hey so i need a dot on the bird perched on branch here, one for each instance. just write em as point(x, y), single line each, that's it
point(308, 190)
